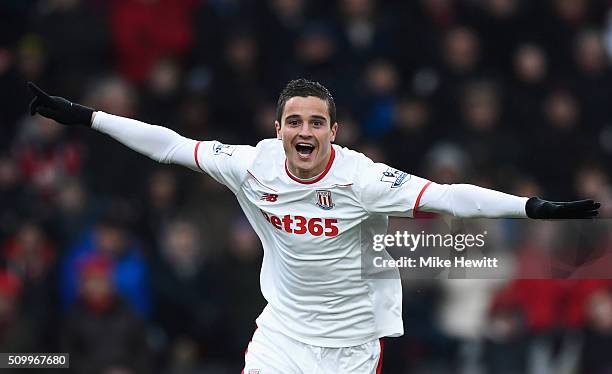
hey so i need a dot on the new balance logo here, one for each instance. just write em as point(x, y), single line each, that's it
point(269, 197)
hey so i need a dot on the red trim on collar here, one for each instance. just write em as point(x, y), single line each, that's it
point(321, 176)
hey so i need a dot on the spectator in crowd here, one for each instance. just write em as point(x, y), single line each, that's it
point(76, 54)
point(365, 32)
point(553, 311)
point(10, 195)
point(279, 27)
point(592, 179)
point(379, 99)
point(139, 41)
point(597, 334)
point(503, 24)
point(161, 204)
point(527, 88)
point(187, 289)
point(460, 55)
point(412, 123)
point(462, 317)
point(74, 211)
point(161, 99)
point(47, 159)
point(17, 333)
point(240, 263)
point(109, 238)
point(317, 55)
point(592, 80)
point(101, 332)
point(238, 83)
point(114, 94)
point(31, 255)
point(561, 124)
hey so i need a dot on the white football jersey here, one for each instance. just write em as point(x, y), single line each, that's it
point(311, 233)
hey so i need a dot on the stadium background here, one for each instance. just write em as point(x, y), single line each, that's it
point(133, 267)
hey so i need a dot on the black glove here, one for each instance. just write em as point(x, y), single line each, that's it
point(543, 209)
point(58, 108)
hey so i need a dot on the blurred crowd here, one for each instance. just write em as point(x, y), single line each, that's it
point(136, 267)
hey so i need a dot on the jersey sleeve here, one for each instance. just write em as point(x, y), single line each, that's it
point(468, 201)
point(225, 163)
point(388, 191)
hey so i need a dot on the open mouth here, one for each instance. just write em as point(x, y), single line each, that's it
point(304, 149)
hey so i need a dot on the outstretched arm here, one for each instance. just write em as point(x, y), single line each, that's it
point(464, 200)
point(157, 142)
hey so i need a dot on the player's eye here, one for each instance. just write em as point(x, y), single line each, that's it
point(317, 123)
point(294, 122)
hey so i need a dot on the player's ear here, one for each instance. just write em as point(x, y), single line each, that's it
point(277, 126)
point(334, 131)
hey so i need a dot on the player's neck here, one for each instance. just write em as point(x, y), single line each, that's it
point(304, 177)
point(311, 174)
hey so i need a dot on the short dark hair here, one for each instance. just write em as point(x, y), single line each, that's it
point(304, 88)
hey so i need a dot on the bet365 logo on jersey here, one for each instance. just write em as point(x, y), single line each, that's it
point(301, 225)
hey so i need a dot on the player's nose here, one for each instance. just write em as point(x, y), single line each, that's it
point(305, 131)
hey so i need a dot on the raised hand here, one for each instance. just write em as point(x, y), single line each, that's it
point(543, 209)
point(58, 108)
